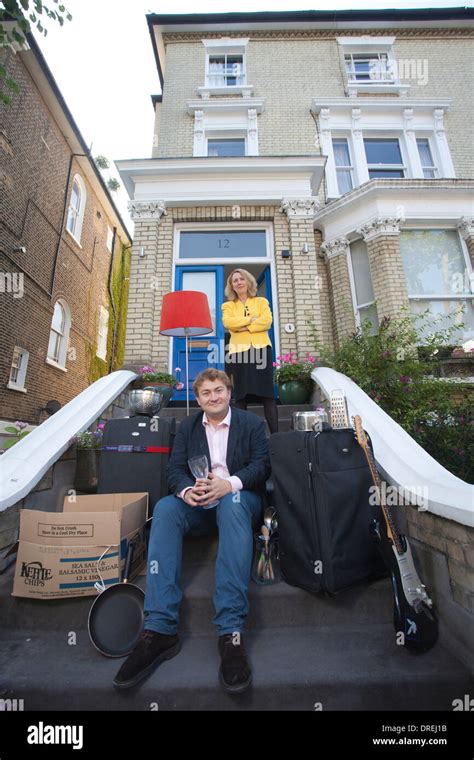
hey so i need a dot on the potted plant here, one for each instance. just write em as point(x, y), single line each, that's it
point(88, 445)
point(150, 377)
point(293, 377)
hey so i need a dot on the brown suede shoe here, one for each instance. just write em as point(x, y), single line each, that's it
point(151, 649)
point(235, 673)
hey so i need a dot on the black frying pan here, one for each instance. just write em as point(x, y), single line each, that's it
point(116, 616)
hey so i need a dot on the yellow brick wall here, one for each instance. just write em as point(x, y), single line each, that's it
point(388, 277)
point(289, 72)
point(302, 284)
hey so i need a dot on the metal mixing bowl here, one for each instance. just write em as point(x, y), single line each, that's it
point(146, 402)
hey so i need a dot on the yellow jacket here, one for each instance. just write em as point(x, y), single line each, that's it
point(257, 331)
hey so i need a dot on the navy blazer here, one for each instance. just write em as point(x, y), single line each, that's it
point(247, 451)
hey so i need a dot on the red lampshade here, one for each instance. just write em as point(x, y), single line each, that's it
point(185, 312)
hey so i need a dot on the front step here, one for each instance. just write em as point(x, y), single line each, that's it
point(271, 606)
point(358, 668)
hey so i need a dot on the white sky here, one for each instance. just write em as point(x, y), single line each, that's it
point(104, 65)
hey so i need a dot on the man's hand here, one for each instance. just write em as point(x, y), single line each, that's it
point(215, 488)
point(193, 495)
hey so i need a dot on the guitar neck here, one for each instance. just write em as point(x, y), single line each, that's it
point(391, 530)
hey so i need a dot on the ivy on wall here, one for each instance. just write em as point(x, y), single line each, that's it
point(97, 367)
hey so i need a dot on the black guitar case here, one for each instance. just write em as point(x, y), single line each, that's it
point(321, 495)
point(132, 472)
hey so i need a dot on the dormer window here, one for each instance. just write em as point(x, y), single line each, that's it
point(225, 69)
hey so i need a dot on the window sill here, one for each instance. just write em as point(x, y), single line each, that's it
point(55, 364)
point(13, 387)
point(354, 88)
point(101, 357)
point(74, 238)
point(245, 90)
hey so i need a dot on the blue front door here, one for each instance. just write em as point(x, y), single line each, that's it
point(208, 350)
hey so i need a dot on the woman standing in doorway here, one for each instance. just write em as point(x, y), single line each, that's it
point(248, 318)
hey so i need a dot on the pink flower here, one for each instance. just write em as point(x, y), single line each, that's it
point(179, 386)
point(177, 369)
point(275, 364)
point(101, 426)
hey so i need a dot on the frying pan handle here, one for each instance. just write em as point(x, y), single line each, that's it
point(128, 561)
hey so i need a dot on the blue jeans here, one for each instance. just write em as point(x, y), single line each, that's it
point(173, 519)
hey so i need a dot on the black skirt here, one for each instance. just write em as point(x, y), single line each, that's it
point(252, 373)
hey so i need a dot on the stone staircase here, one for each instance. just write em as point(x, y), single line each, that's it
point(308, 652)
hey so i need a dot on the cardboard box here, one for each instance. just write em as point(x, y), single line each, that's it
point(59, 551)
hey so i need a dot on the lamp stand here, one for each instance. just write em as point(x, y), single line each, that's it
point(186, 332)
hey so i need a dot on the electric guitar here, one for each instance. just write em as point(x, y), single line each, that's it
point(414, 616)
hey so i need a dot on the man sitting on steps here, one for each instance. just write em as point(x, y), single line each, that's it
point(236, 447)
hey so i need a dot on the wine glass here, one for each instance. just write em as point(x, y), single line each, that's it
point(199, 467)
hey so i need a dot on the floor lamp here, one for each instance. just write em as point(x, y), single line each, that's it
point(185, 313)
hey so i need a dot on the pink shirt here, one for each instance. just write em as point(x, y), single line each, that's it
point(217, 439)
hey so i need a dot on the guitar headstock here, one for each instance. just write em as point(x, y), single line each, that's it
point(359, 431)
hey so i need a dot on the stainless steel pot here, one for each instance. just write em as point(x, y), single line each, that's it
point(146, 402)
point(309, 420)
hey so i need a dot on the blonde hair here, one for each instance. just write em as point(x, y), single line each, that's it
point(229, 291)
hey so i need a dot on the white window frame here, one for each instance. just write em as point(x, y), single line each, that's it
point(379, 56)
point(110, 238)
point(75, 216)
point(372, 45)
point(22, 357)
point(59, 362)
point(214, 124)
point(231, 135)
point(467, 260)
point(102, 333)
point(350, 168)
point(434, 168)
point(225, 46)
point(358, 306)
point(395, 167)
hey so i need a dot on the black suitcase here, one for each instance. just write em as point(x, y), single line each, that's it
point(321, 495)
point(130, 472)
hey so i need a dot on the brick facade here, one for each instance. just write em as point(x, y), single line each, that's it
point(36, 159)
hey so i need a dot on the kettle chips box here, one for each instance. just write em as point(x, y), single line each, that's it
point(64, 554)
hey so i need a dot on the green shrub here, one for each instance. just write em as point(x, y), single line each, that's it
point(399, 375)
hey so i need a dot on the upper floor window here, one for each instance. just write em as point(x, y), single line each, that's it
point(368, 67)
point(225, 67)
point(226, 147)
point(77, 204)
point(18, 369)
point(384, 158)
point(225, 70)
point(59, 334)
point(344, 168)
point(371, 65)
point(426, 158)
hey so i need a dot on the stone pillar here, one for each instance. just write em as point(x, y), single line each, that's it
point(336, 253)
point(466, 229)
point(386, 267)
point(307, 283)
point(150, 278)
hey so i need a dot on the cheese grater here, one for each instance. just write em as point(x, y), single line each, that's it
point(339, 414)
